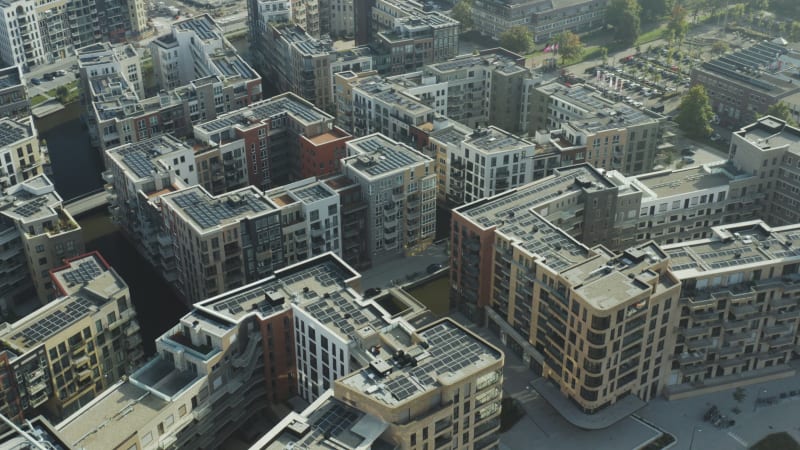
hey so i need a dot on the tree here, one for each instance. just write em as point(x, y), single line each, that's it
point(739, 394)
point(677, 23)
point(623, 15)
point(695, 113)
point(652, 10)
point(794, 31)
point(781, 111)
point(462, 12)
point(569, 46)
point(604, 55)
point(518, 39)
point(62, 93)
point(719, 47)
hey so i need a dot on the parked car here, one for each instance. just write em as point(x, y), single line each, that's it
point(36, 81)
point(688, 151)
point(372, 292)
point(61, 73)
point(48, 76)
point(687, 160)
point(433, 268)
point(715, 137)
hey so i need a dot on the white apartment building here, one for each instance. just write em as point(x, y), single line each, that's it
point(273, 11)
point(137, 175)
point(399, 185)
point(310, 219)
point(20, 39)
point(104, 58)
point(487, 162)
point(37, 234)
point(342, 19)
point(22, 156)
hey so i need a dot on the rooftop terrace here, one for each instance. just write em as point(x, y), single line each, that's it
point(494, 139)
point(770, 133)
point(441, 353)
point(284, 104)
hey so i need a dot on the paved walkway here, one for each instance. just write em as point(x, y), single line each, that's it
point(399, 269)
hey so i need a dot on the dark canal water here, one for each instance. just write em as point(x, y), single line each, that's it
point(76, 171)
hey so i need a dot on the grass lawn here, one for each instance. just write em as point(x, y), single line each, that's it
point(777, 441)
point(435, 295)
point(589, 52)
point(38, 99)
point(652, 35)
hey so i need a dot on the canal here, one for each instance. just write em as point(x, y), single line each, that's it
point(76, 171)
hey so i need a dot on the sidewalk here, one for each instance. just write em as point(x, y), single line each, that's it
point(397, 269)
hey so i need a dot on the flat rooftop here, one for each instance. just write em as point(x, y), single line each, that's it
point(513, 213)
point(10, 77)
point(207, 211)
point(32, 200)
point(327, 424)
point(123, 407)
point(284, 104)
point(769, 133)
point(12, 132)
point(89, 271)
point(441, 353)
point(307, 191)
point(140, 158)
point(494, 139)
point(735, 247)
point(203, 26)
point(498, 60)
point(683, 181)
point(764, 66)
point(377, 155)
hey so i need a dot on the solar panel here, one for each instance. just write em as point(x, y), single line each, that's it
point(55, 321)
point(83, 273)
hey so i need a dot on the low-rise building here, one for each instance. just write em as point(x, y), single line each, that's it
point(545, 19)
point(742, 85)
point(22, 155)
point(14, 102)
point(399, 186)
point(37, 235)
point(69, 351)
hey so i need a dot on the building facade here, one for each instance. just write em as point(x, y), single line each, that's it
point(22, 155)
point(14, 101)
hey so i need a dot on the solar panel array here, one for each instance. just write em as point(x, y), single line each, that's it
point(85, 271)
point(737, 262)
point(684, 266)
point(312, 193)
point(267, 109)
point(387, 156)
point(495, 140)
point(209, 213)
point(138, 159)
point(54, 322)
point(31, 207)
point(333, 421)
point(451, 350)
point(11, 132)
point(337, 311)
point(233, 67)
point(787, 253)
point(200, 25)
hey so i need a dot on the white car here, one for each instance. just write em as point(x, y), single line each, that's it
point(715, 137)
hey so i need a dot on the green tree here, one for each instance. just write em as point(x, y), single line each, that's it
point(569, 46)
point(677, 23)
point(695, 113)
point(794, 31)
point(623, 15)
point(517, 39)
point(781, 111)
point(62, 93)
point(604, 55)
point(739, 394)
point(719, 47)
point(653, 10)
point(462, 12)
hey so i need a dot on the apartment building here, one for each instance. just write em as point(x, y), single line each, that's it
point(14, 101)
point(72, 349)
point(137, 175)
point(742, 85)
point(608, 134)
point(221, 242)
point(37, 235)
point(353, 212)
point(20, 39)
point(485, 162)
point(738, 312)
point(769, 149)
point(545, 19)
point(310, 219)
point(406, 37)
point(342, 19)
point(38, 430)
point(117, 114)
point(227, 360)
point(271, 142)
point(104, 58)
point(399, 187)
point(400, 400)
point(22, 155)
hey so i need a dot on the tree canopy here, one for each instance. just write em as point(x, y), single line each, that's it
point(677, 23)
point(653, 10)
point(569, 45)
point(719, 47)
point(781, 111)
point(695, 113)
point(623, 15)
point(518, 39)
point(462, 12)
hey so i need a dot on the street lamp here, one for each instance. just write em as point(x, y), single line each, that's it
point(694, 430)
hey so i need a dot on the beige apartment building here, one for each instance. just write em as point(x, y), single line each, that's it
point(739, 307)
point(399, 186)
point(37, 235)
point(69, 351)
point(221, 242)
point(22, 155)
point(14, 101)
